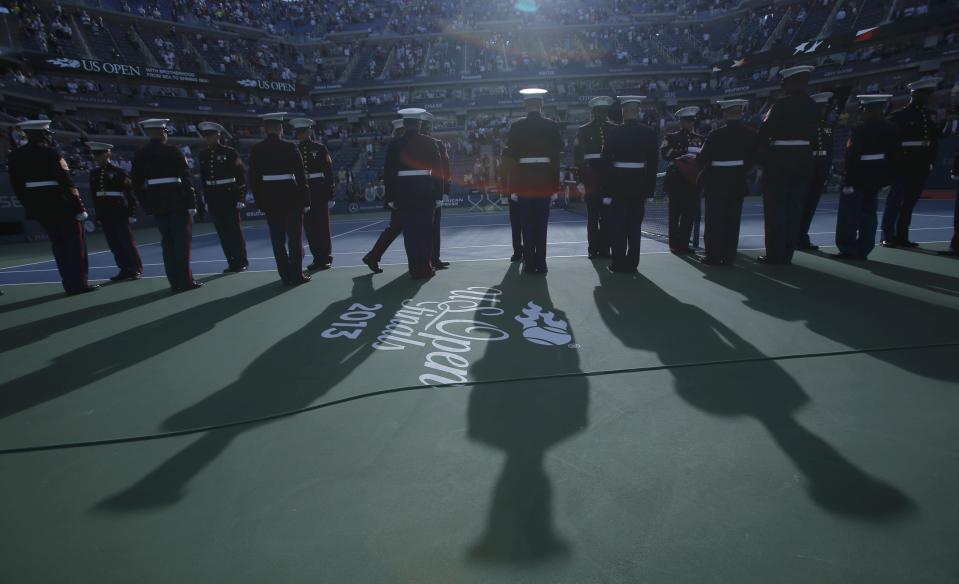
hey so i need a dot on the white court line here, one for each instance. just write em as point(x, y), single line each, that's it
point(357, 229)
point(404, 263)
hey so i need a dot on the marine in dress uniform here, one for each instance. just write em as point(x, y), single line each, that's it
point(161, 182)
point(822, 153)
point(727, 155)
point(872, 145)
point(534, 144)
point(918, 142)
point(116, 209)
point(41, 182)
point(278, 182)
point(586, 155)
point(224, 187)
point(681, 147)
point(393, 230)
point(629, 161)
point(319, 175)
point(507, 166)
point(412, 164)
point(446, 184)
point(785, 143)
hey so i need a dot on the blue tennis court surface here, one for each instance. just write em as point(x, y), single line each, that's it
point(466, 237)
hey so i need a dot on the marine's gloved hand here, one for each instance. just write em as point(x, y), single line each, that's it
point(439, 203)
point(391, 205)
point(953, 177)
point(514, 197)
point(306, 209)
point(553, 197)
point(81, 216)
point(607, 201)
point(132, 220)
point(240, 205)
point(446, 198)
point(192, 212)
point(330, 204)
point(848, 190)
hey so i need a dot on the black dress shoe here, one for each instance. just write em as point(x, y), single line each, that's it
point(770, 261)
point(191, 286)
point(907, 243)
point(516, 257)
point(708, 261)
point(809, 247)
point(84, 290)
point(680, 250)
point(302, 279)
point(234, 269)
point(613, 270)
point(888, 243)
point(948, 252)
point(373, 265)
point(441, 265)
point(319, 266)
point(423, 276)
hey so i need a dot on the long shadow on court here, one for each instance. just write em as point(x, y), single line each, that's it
point(7, 306)
point(644, 316)
point(290, 375)
point(98, 360)
point(845, 310)
point(31, 332)
point(942, 283)
point(525, 420)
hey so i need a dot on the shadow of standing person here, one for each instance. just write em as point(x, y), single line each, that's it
point(524, 420)
point(644, 316)
point(290, 375)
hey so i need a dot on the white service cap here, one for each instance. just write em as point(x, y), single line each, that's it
point(273, 117)
point(601, 101)
point(925, 83)
point(154, 123)
point(210, 127)
point(99, 146)
point(797, 70)
point(869, 98)
point(35, 125)
point(300, 123)
point(624, 99)
point(730, 103)
point(533, 93)
point(412, 113)
point(822, 97)
point(688, 112)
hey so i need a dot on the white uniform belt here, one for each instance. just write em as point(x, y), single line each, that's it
point(916, 143)
point(629, 164)
point(819, 152)
point(694, 150)
point(41, 183)
point(162, 181)
point(534, 160)
point(593, 156)
point(728, 163)
point(790, 142)
point(222, 181)
point(414, 173)
point(872, 157)
point(276, 177)
point(316, 175)
point(109, 194)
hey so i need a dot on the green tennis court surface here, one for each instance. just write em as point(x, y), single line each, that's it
point(689, 424)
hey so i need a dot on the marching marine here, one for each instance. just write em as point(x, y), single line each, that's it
point(224, 187)
point(590, 138)
point(680, 149)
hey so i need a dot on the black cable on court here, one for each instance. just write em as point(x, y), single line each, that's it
point(329, 404)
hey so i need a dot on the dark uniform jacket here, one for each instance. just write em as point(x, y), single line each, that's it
point(588, 151)
point(319, 171)
point(223, 176)
point(876, 139)
point(719, 160)
point(35, 162)
point(163, 162)
point(823, 149)
point(630, 145)
point(794, 117)
point(112, 192)
point(413, 161)
point(676, 145)
point(919, 136)
point(272, 158)
point(531, 139)
point(445, 179)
